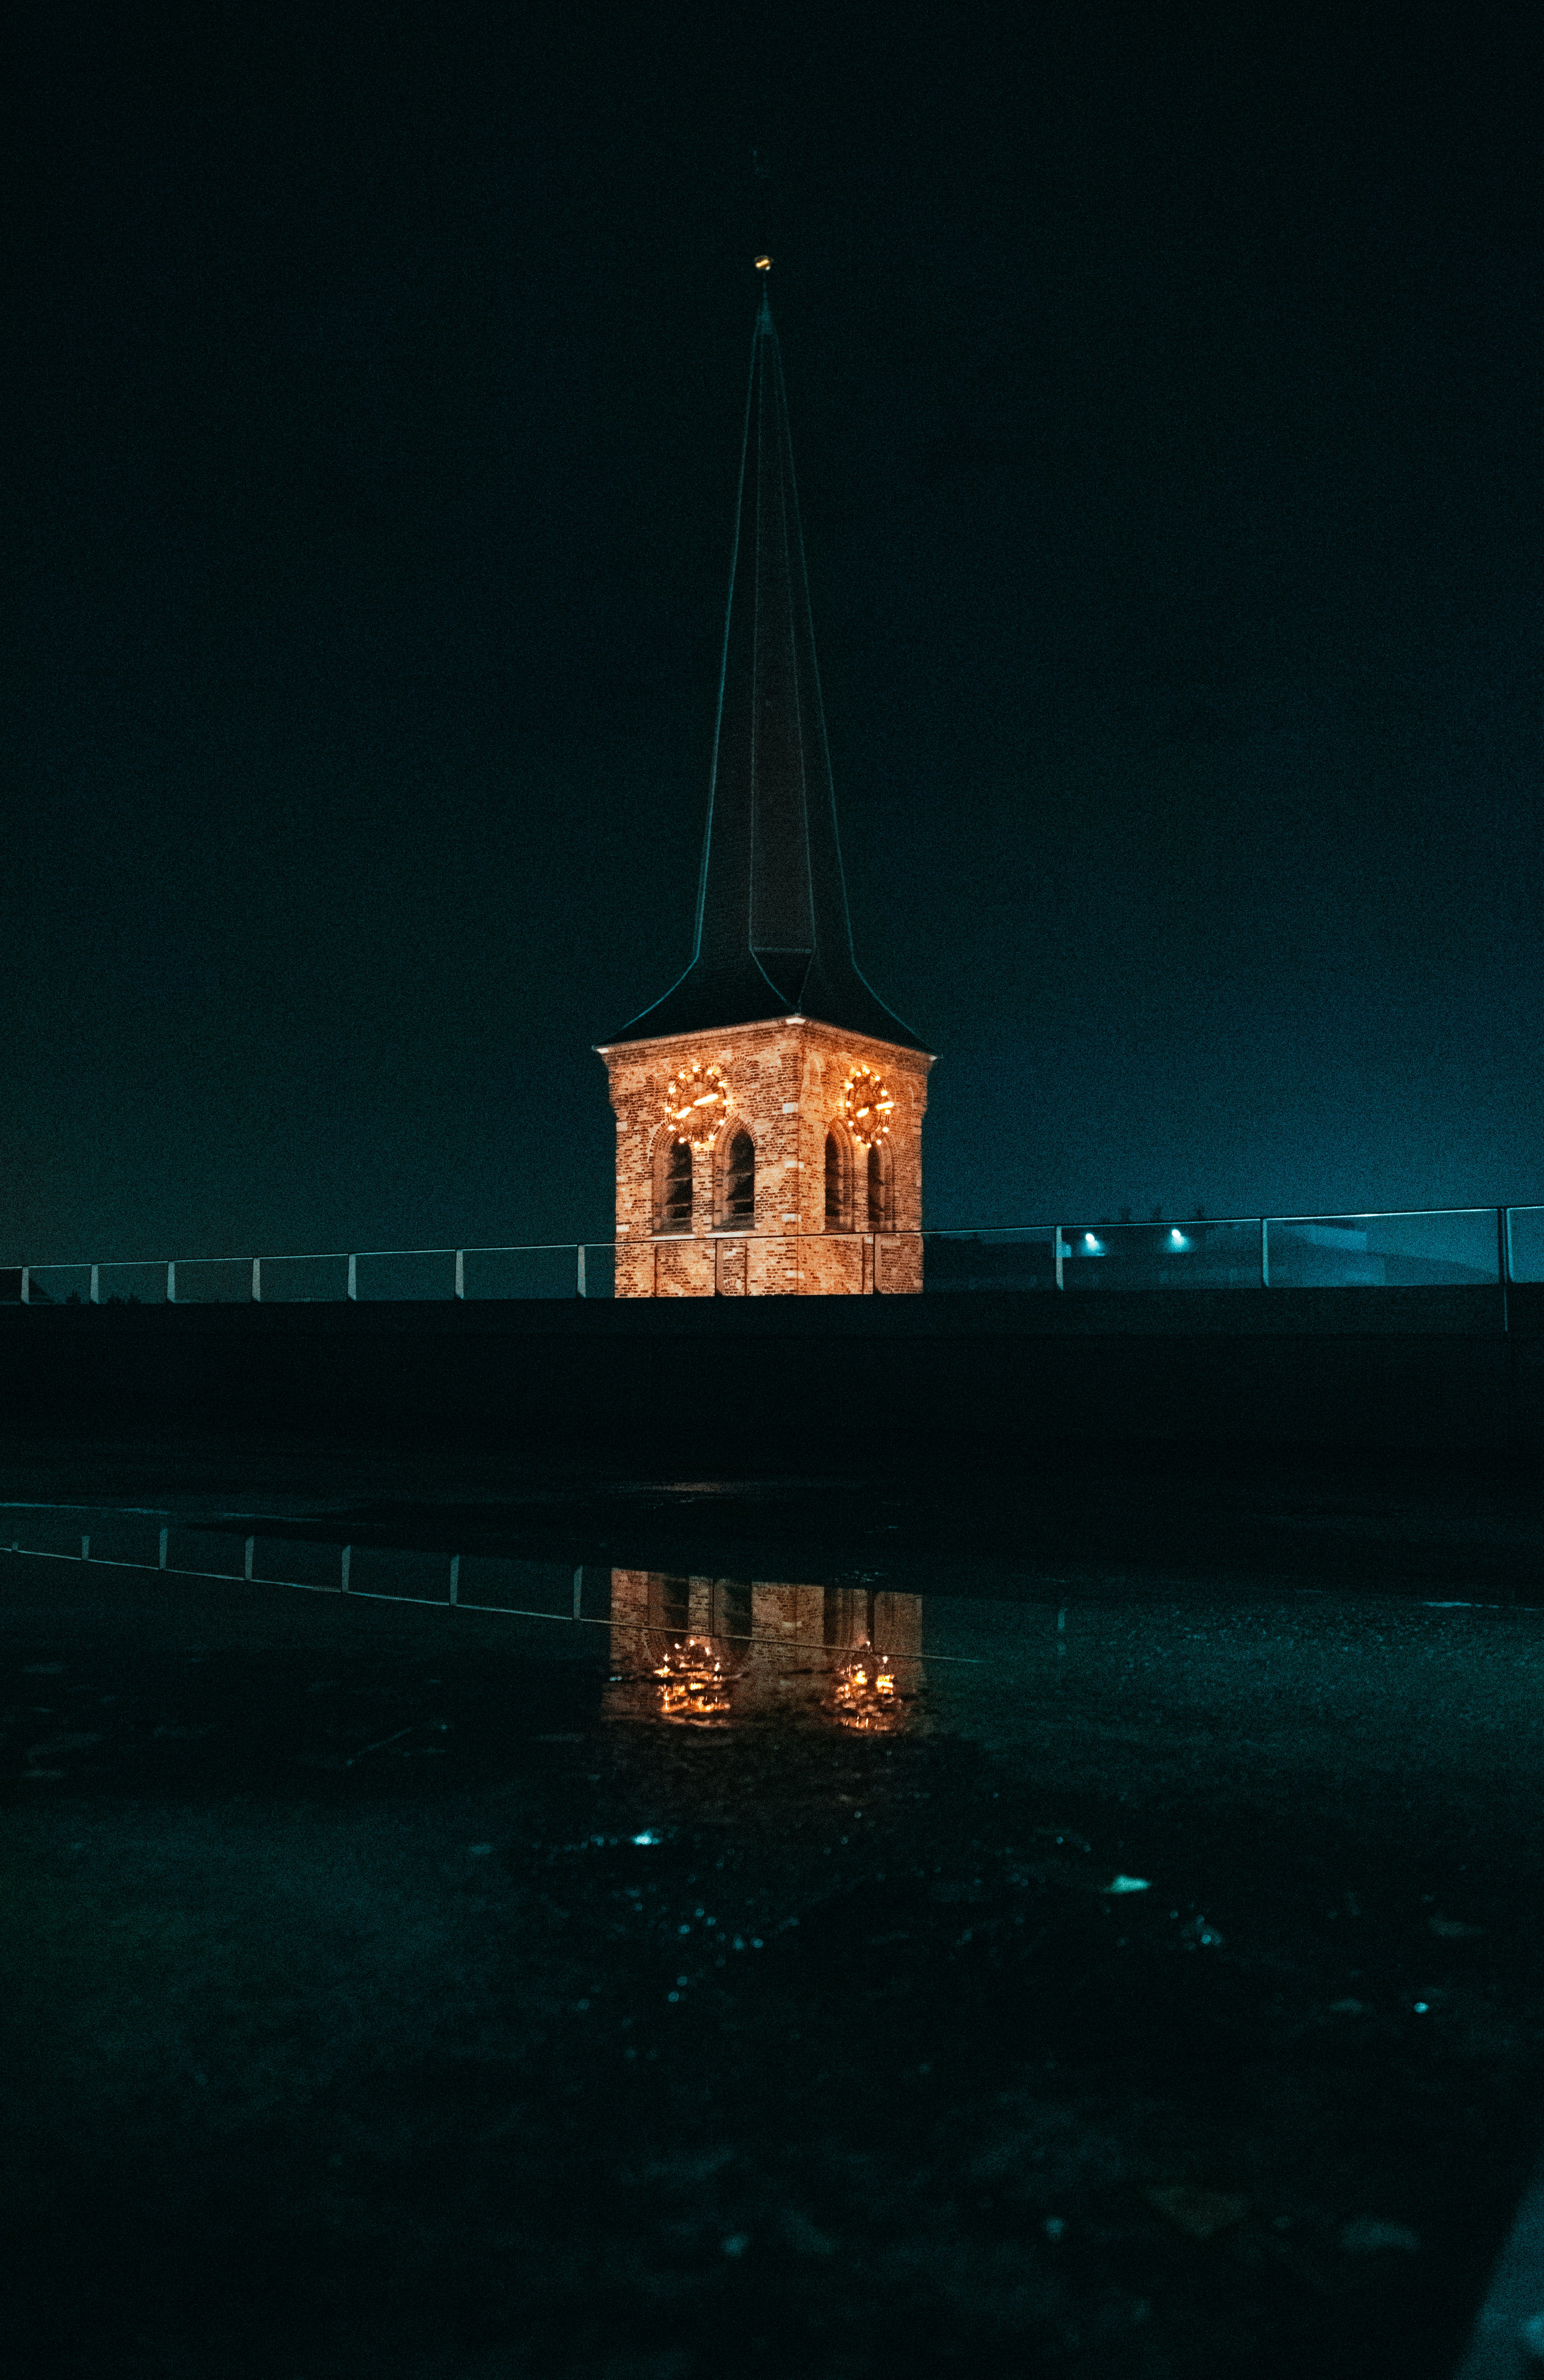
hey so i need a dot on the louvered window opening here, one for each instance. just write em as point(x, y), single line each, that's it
point(676, 1192)
point(836, 1205)
point(879, 1217)
point(739, 1180)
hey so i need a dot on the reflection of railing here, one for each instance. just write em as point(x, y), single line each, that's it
point(1418, 1248)
point(276, 1550)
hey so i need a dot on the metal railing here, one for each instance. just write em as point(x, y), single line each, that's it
point(1403, 1248)
point(1417, 1247)
point(542, 1268)
point(1376, 1248)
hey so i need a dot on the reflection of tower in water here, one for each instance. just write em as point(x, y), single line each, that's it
point(704, 1651)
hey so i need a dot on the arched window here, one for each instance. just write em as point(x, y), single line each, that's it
point(676, 1188)
point(882, 1203)
point(839, 1215)
point(738, 1202)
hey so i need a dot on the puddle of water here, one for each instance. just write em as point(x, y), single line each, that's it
point(1305, 1678)
point(1162, 1947)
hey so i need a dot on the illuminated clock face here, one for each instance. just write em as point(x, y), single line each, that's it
point(696, 1103)
point(867, 1104)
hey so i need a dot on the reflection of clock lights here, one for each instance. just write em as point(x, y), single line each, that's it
point(866, 1697)
point(695, 1680)
point(867, 1103)
point(696, 1103)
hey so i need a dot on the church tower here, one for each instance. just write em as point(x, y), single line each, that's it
point(769, 1108)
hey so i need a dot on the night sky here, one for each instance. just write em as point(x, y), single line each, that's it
point(1165, 387)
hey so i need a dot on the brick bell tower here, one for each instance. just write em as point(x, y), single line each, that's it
point(769, 1108)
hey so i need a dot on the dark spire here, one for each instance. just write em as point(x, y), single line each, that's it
point(772, 933)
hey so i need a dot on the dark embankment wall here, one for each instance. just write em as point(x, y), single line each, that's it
point(1442, 1369)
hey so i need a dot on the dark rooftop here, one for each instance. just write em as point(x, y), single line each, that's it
point(772, 937)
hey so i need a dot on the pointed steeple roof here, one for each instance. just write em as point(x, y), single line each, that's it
point(774, 937)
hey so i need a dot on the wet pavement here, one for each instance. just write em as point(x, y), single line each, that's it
point(845, 1924)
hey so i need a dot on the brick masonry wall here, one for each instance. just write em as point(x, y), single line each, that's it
point(784, 1081)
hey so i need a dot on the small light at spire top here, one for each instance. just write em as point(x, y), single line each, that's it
point(764, 264)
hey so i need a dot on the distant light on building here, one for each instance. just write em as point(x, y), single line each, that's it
point(1091, 1243)
point(1178, 1240)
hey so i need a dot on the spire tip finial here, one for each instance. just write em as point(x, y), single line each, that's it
point(764, 264)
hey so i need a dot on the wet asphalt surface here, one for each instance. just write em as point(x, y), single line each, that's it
point(390, 1989)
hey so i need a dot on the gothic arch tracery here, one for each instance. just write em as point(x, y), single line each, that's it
point(735, 1178)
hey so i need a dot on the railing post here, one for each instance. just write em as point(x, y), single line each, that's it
point(581, 1290)
point(461, 1272)
point(26, 1284)
point(1059, 1252)
point(1264, 1252)
point(165, 1535)
point(578, 1592)
point(247, 1564)
point(257, 1281)
point(354, 1277)
point(455, 1578)
point(96, 1284)
point(171, 1282)
point(346, 1552)
point(1503, 1263)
